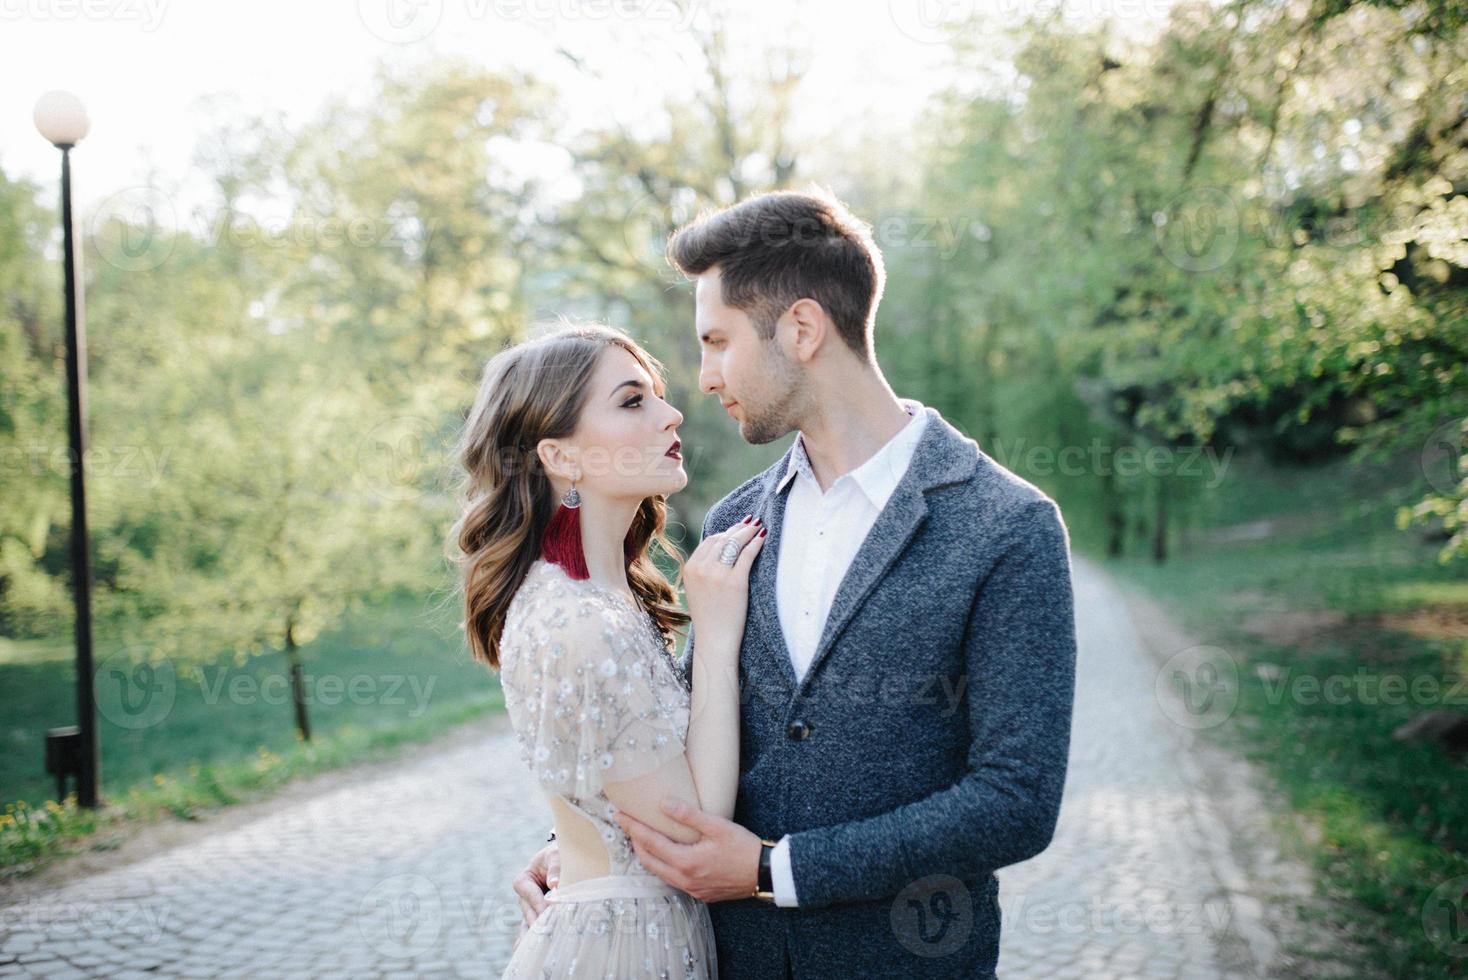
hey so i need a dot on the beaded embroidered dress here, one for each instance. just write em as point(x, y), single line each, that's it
point(594, 698)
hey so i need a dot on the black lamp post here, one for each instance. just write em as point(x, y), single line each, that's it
point(62, 119)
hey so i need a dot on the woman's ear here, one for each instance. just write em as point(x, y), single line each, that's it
point(558, 459)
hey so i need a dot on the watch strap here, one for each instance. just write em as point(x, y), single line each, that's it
point(766, 878)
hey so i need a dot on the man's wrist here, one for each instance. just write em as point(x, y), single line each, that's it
point(764, 877)
point(784, 875)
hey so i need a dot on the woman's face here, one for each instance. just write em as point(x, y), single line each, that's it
point(621, 443)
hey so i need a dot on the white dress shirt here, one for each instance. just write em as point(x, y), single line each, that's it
point(819, 536)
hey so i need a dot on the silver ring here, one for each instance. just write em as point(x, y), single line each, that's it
point(730, 554)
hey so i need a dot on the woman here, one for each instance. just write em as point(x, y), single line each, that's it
point(569, 454)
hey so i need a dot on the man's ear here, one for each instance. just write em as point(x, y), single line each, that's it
point(558, 459)
point(811, 326)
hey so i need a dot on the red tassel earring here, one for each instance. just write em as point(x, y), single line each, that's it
point(562, 541)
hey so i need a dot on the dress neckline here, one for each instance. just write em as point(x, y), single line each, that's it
point(629, 601)
point(595, 586)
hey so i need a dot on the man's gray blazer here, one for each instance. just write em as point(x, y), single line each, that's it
point(926, 745)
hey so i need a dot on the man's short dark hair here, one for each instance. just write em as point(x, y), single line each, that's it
point(773, 249)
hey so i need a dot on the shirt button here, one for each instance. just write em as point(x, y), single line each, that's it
point(798, 730)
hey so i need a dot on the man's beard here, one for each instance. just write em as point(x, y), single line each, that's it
point(774, 418)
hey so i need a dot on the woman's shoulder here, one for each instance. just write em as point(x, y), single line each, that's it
point(549, 603)
point(547, 580)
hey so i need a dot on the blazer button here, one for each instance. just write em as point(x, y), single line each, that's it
point(798, 730)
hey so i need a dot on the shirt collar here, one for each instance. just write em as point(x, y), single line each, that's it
point(878, 477)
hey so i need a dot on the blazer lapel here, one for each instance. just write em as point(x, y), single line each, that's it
point(940, 458)
point(762, 577)
point(943, 456)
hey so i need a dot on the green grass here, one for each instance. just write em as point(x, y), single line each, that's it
point(1388, 821)
point(392, 674)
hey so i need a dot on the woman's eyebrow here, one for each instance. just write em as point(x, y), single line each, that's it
point(625, 384)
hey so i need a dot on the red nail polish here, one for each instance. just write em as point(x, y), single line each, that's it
point(747, 519)
point(763, 531)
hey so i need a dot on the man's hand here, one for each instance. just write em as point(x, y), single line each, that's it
point(722, 864)
point(539, 877)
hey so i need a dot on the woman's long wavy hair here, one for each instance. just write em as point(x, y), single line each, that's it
point(529, 392)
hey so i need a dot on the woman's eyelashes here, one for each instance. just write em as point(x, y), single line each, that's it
point(632, 402)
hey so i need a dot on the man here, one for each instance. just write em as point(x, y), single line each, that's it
point(908, 664)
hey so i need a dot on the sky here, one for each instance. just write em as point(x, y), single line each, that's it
point(142, 66)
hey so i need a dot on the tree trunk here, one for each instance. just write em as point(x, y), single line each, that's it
point(1159, 528)
point(1115, 517)
point(298, 687)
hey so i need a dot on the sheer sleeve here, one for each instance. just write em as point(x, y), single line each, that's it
point(589, 699)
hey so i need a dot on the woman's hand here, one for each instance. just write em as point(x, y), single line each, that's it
point(718, 594)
